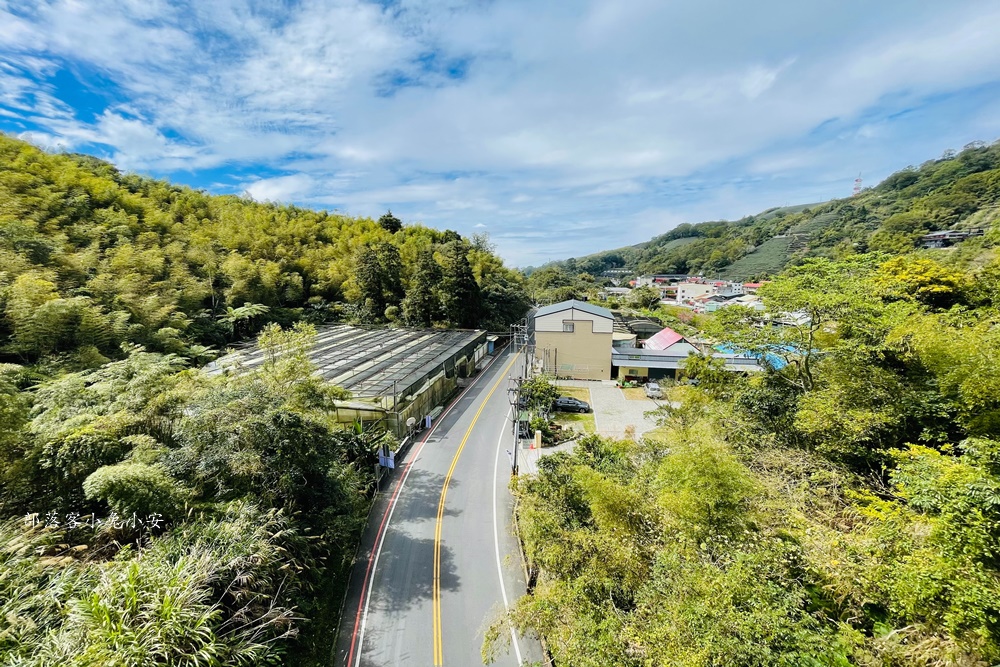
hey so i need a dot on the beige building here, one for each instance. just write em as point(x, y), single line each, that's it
point(690, 291)
point(573, 339)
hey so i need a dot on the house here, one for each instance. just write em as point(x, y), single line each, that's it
point(668, 292)
point(949, 237)
point(573, 339)
point(614, 293)
point(751, 288)
point(750, 301)
point(671, 342)
point(658, 279)
point(690, 291)
point(646, 364)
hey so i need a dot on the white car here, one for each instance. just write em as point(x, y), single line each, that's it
point(653, 390)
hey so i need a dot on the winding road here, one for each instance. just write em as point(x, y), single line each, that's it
point(438, 560)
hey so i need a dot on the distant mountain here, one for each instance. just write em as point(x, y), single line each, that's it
point(956, 191)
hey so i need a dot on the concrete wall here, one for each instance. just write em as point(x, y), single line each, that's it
point(583, 354)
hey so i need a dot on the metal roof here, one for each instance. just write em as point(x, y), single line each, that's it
point(664, 339)
point(372, 362)
point(573, 304)
point(661, 359)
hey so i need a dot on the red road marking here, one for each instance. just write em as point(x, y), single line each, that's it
point(392, 501)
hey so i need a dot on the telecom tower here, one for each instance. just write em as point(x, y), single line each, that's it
point(857, 186)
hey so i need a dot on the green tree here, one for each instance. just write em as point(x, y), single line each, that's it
point(644, 297)
point(538, 393)
point(422, 304)
point(390, 223)
point(461, 300)
point(238, 319)
point(505, 301)
point(378, 276)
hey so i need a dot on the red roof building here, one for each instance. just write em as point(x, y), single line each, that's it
point(664, 339)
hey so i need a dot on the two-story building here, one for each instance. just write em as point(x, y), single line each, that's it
point(687, 292)
point(573, 339)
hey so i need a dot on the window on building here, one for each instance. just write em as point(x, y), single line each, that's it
point(567, 327)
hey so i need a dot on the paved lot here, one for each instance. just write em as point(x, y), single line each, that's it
point(612, 411)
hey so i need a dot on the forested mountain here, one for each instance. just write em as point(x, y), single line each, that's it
point(842, 510)
point(150, 514)
point(91, 258)
point(956, 191)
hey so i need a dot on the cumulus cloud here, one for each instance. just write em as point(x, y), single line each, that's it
point(281, 189)
point(574, 126)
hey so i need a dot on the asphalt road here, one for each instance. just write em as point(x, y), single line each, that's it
point(439, 542)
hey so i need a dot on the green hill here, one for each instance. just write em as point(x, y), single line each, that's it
point(956, 191)
point(91, 258)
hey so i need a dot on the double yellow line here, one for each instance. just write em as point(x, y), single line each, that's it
point(438, 646)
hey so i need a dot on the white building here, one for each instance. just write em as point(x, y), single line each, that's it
point(689, 291)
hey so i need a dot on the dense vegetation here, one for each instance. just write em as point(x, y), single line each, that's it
point(167, 517)
point(956, 191)
point(150, 514)
point(844, 510)
point(91, 258)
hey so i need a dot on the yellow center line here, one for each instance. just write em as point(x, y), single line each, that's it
point(436, 596)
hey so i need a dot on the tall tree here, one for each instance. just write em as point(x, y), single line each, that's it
point(378, 275)
point(504, 301)
point(390, 223)
point(460, 296)
point(422, 305)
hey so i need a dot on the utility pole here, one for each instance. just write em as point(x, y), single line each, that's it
point(514, 397)
point(519, 344)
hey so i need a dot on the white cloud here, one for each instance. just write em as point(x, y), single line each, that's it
point(281, 189)
point(550, 111)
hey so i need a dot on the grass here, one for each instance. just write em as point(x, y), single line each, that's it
point(658, 433)
point(635, 393)
point(578, 422)
point(581, 393)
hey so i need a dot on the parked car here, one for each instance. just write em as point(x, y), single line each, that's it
point(570, 404)
point(653, 390)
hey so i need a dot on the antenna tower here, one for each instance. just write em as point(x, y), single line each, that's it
point(857, 186)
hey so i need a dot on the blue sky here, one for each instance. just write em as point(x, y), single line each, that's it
point(559, 128)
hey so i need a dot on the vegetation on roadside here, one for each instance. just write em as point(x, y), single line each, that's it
point(149, 514)
point(844, 510)
point(162, 516)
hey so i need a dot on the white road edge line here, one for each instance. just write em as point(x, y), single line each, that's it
point(392, 508)
point(496, 538)
point(378, 554)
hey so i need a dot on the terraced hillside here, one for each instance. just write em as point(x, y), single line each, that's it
point(768, 259)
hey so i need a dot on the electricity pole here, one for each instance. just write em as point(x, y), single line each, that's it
point(519, 344)
point(514, 397)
